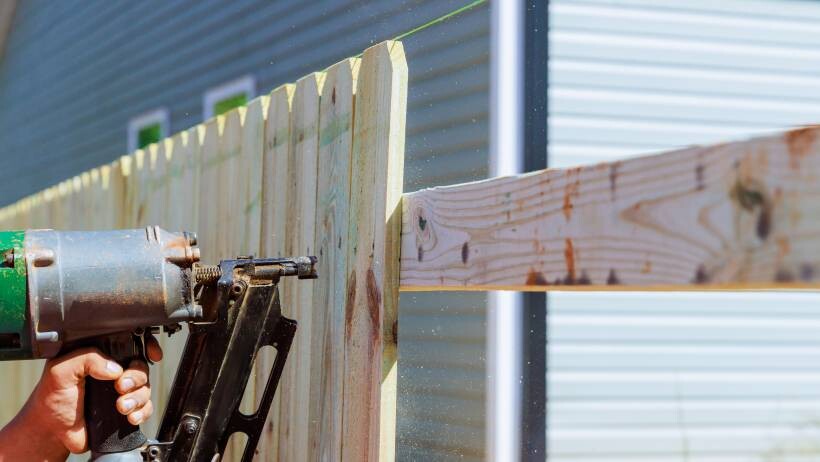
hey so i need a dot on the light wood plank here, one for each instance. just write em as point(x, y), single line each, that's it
point(117, 187)
point(299, 240)
point(77, 218)
point(370, 321)
point(250, 159)
point(330, 291)
point(182, 192)
point(273, 221)
point(105, 201)
point(209, 188)
point(151, 185)
point(731, 216)
point(229, 196)
point(129, 166)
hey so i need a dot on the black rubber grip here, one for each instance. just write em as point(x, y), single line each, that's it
point(108, 430)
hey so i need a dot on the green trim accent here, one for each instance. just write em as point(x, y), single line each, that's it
point(149, 134)
point(231, 102)
point(14, 319)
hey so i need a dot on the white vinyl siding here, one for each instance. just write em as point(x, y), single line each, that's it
point(687, 376)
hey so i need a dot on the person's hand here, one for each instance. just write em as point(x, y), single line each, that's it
point(51, 423)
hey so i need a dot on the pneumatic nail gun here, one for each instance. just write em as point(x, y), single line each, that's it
point(60, 291)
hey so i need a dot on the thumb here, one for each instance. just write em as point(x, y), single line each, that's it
point(90, 362)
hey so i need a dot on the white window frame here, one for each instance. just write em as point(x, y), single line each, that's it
point(145, 119)
point(245, 84)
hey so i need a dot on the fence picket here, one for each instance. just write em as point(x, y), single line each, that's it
point(273, 213)
point(375, 195)
point(329, 292)
point(299, 236)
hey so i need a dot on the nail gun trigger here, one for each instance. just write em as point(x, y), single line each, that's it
point(139, 343)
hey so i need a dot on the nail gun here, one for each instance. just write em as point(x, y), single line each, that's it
point(60, 291)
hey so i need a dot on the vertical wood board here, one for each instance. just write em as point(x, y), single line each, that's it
point(377, 166)
point(332, 207)
point(295, 424)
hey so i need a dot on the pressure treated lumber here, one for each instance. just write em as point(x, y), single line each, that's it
point(249, 199)
point(370, 313)
point(730, 216)
point(330, 291)
point(274, 215)
point(294, 422)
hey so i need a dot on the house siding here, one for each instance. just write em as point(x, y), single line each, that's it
point(681, 377)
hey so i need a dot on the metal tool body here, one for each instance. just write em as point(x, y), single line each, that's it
point(60, 291)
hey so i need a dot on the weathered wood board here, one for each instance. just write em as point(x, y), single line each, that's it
point(741, 215)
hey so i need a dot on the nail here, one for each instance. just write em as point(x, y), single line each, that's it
point(136, 417)
point(127, 383)
point(129, 404)
point(113, 367)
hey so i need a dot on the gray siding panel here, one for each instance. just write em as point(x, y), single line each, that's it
point(687, 376)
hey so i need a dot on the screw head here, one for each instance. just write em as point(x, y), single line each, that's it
point(190, 426)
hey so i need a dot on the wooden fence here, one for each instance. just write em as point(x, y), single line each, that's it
point(316, 168)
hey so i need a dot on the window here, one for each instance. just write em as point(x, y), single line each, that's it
point(147, 128)
point(223, 98)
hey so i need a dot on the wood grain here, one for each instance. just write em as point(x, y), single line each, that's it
point(376, 179)
point(731, 216)
point(294, 424)
point(250, 163)
point(329, 291)
point(273, 221)
point(209, 188)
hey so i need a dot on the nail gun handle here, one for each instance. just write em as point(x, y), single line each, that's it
point(108, 430)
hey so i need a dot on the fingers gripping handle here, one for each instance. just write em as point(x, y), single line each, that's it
point(108, 430)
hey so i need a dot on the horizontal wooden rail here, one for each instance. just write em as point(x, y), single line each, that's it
point(743, 215)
